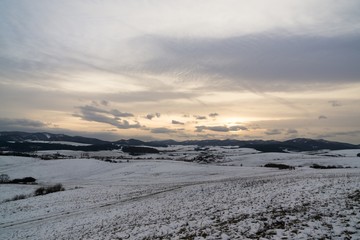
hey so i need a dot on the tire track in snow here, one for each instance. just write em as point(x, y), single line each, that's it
point(84, 210)
point(110, 204)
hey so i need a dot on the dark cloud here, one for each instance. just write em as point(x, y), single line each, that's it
point(213, 115)
point(199, 117)
point(322, 117)
point(21, 122)
point(89, 108)
point(212, 128)
point(162, 130)
point(113, 112)
point(94, 117)
point(150, 116)
point(117, 113)
point(288, 61)
point(177, 122)
point(95, 114)
point(220, 128)
point(335, 103)
point(273, 132)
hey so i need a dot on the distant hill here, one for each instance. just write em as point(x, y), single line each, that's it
point(21, 141)
point(44, 136)
point(298, 144)
point(305, 144)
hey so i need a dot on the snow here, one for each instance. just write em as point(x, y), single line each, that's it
point(86, 171)
point(149, 198)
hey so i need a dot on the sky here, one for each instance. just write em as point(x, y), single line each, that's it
point(160, 69)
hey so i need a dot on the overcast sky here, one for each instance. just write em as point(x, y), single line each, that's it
point(160, 69)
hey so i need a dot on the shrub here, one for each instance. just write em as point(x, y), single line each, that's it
point(139, 150)
point(18, 197)
point(318, 166)
point(279, 166)
point(55, 188)
point(16, 180)
point(4, 178)
point(24, 180)
point(50, 189)
point(28, 180)
point(40, 191)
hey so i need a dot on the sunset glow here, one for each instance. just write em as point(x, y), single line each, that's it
point(181, 69)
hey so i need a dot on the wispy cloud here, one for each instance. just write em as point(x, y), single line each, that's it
point(162, 130)
point(335, 103)
point(177, 122)
point(22, 122)
point(213, 115)
point(337, 134)
point(235, 60)
point(199, 117)
point(112, 117)
point(250, 62)
point(117, 113)
point(114, 112)
point(273, 132)
point(220, 128)
point(292, 131)
point(237, 128)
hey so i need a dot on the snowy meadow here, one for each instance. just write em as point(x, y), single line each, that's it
point(182, 193)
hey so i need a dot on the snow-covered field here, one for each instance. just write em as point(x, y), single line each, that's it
point(164, 196)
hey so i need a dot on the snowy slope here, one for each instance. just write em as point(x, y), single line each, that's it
point(153, 199)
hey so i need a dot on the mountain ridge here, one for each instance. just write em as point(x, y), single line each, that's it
point(297, 144)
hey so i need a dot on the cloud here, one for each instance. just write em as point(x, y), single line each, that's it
point(162, 130)
point(117, 113)
point(212, 128)
point(213, 115)
point(273, 132)
point(69, 53)
point(199, 117)
point(331, 40)
point(337, 134)
point(105, 103)
point(291, 62)
point(89, 108)
point(21, 122)
point(150, 116)
point(114, 112)
point(220, 128)
point(291, 131)
point(177, 122)
point(335, 103)
point(321, 117)
point(237, 128)
point(94, 114)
